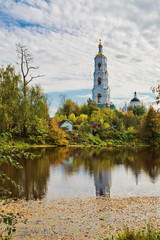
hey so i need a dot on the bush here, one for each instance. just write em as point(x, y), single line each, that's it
point(95, 140)
point(112, 133)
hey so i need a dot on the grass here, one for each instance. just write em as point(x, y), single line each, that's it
point(148, 233)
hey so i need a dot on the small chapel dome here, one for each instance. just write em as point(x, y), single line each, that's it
point(135, 99)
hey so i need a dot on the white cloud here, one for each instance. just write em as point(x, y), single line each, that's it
point(63, 38)
point(85, 96)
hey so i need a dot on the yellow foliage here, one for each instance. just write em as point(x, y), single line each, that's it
point(56, 135)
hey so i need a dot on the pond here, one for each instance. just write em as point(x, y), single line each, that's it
point(84, 172)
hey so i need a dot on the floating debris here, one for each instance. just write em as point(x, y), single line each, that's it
point(83, 218)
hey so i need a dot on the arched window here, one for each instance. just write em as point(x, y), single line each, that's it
point(99, 66)
point(99, 96)
point(99, 81)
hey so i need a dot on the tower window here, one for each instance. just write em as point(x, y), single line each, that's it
point(99, 96)
point(99, 81)
point(99, 66)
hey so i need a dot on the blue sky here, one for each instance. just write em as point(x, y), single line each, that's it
point(63, 38)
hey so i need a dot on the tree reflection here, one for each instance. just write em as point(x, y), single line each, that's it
point(97, 162)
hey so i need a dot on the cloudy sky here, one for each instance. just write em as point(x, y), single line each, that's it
point(63, 38)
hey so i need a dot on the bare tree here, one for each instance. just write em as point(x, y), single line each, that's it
point(26, 65)
point(62, 99)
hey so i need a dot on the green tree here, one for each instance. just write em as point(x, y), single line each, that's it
point(89, 107)
point(130, 120)
point(97, 115)
point(9, 220)
point(149, 130)
point(72, 118)
point(137, 110)
point(10, 98)
point(85, 128)
point(81, 118)
point(69, 107)
point(19, 115)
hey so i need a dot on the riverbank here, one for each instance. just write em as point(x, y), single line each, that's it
point(25, 145)
point(83, 218)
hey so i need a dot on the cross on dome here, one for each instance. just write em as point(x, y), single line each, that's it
point(100, 52)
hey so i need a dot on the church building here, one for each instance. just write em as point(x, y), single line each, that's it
point(101, 91)
point(134, 102)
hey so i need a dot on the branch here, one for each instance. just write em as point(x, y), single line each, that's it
point(34, 77)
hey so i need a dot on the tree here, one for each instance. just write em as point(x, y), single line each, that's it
point(149, 130)
point(130, 120)
point(137, 110)
point(69, 107)
point(72, 118)
point(62, 99)
point(81, 118)
point(8, 220)
point(157, 91)
point(89, 107)
point(26, 66)
point(56, 135)
point(10, 98)
point(97, 115)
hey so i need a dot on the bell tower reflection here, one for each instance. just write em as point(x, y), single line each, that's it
point(102, 181)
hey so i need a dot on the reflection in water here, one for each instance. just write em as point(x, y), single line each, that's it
point(102, 181)
point(61, 172)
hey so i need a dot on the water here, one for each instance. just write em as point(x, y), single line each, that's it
point(80, 173)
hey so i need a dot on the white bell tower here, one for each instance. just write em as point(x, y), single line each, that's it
point(101, 91)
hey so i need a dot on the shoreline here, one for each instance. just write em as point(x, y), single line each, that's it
point(90, 218)
point(77, 146)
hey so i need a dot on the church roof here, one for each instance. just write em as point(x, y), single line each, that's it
point(100, 54)
point(135, 99)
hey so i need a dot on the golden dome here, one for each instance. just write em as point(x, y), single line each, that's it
point(100, 44)
point(100, 54)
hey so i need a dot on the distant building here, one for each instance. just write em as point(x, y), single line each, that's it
point(101, 90)
point(67, 125)
point(96, 124)
point(134, 102)
point(125, 108)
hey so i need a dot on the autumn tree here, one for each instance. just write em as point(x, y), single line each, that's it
point(157, 91)
point(56, 135)
point(149, 130)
